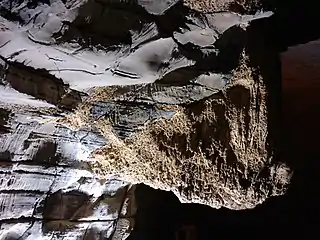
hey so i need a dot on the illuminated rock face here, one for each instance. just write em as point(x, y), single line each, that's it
point(46, 189)
point(97, 96)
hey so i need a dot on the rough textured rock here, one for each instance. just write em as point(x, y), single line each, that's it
point(98, 95)
point(242, 6)
point(46, 188)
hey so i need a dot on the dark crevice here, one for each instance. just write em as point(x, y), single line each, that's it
point(28, 172)
point(8, 14)
point(42, 85)
point(5, 157)
point(22, 191)
point(31, 219)
point(35, 3)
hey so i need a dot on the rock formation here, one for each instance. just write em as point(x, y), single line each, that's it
point(100, 95)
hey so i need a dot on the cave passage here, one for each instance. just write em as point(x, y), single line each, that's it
point(162, 216)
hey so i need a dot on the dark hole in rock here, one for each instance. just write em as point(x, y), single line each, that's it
point(4, 117)
point(5, 156)
point(107, 23)
point(8, 14)
point(65, 206)
point(239, 96)
point(230, 48)
point(35, 3)
point(173, 20)
point(47, 154)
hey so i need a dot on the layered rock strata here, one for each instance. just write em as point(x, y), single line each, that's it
point(100, 95)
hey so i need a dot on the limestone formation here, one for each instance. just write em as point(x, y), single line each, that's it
point(97, 96)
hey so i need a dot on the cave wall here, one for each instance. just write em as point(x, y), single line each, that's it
point(296, 141)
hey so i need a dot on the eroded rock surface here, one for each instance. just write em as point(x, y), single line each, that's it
point(46, 189)
point(99, 95)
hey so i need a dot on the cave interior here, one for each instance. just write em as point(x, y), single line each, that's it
point(162, 216)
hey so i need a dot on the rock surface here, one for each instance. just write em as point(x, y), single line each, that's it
point(225, 5)
point(46, 190)
point(100, 95)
